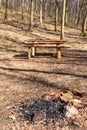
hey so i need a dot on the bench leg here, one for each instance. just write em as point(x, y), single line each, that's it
point(33, 51)
point(58, 52)
point(29, 52)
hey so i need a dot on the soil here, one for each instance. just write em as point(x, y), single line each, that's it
point(21, 79)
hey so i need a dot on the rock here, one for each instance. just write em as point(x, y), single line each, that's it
point(65, 97)
point(56, 94)
point(77, 103)
point(47, 97)
point(71, 111)
point(77, 93)
point(38, 116)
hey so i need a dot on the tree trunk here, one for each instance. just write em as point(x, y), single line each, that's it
point(22, 6)
point(6, 10)
point(17, 5)
point(77, 14)
point(66, 18)
point(36, 7)
point(41, 15)
point(0, 4)
point(84, 24)
point(12, 9)
point(56, 15)
point(31, 15)
point(66, 13)
point(45, 9)
point(63, 17)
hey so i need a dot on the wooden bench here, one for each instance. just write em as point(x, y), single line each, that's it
point(33, 44)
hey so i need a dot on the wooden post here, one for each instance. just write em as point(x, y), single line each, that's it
point(58, 52)
point(29, 52)
point(33, 51)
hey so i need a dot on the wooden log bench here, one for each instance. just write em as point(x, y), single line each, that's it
point(33, 44)
point(32, 49)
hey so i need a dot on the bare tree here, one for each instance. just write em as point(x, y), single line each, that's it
point(0, 4)
point(82, 15)
point(66, 13)
point(84, 23)
point(22, 6)
point(41, 15)
point(45, 10)
point(6, 10)
point(31, 15)
point(36, 6)
point(56, 14)
point(63, 17)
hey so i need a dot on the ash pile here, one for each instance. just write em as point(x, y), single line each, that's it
point(57, 106)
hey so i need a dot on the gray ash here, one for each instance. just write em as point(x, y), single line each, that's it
point(54, 109)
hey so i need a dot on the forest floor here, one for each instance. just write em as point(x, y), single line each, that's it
point(21, 79)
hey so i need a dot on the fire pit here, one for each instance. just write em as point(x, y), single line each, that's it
point(58, 110)
point(53, 109)
point(48, 109)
